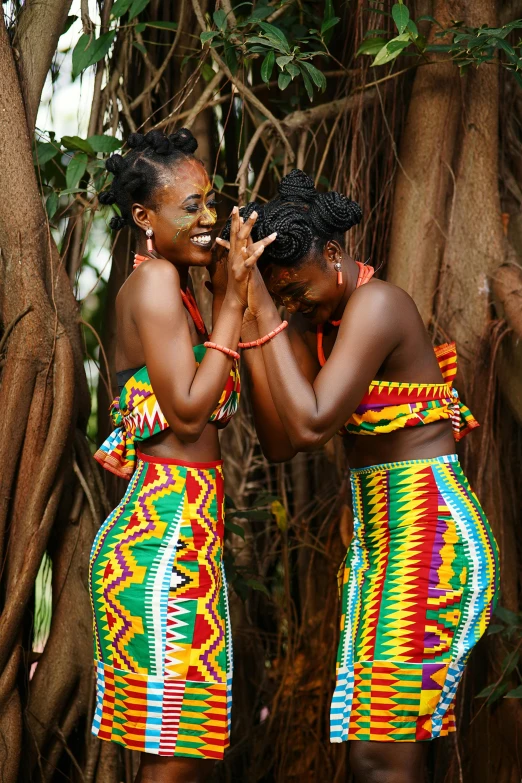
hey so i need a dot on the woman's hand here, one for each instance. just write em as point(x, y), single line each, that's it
point(218, 272)
point(242, 254)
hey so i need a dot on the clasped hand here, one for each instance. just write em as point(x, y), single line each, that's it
point(243, 276)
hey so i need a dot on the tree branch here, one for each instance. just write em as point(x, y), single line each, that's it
point(36, 49)
point(305, 118)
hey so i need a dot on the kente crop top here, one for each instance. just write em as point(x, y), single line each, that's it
point(136, 415)
point(388, 406)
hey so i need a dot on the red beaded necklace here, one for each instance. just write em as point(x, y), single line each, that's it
point(365, 275)
point(187, 297)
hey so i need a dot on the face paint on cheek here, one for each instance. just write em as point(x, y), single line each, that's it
point(183, 223)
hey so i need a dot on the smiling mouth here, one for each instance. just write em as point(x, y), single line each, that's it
point(202, 240)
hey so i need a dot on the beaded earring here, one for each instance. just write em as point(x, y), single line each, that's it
point(149, 233)
point(339, 269)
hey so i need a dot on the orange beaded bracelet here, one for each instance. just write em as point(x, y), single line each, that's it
point(223, 349)
point(266, 338)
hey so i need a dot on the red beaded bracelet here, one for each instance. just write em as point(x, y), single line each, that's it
point(223, 349)
point(266, 338)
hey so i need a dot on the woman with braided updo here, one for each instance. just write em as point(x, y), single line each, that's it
point(162, 638)
point(420, 578)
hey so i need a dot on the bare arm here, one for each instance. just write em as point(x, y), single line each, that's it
point(312, 412)
point(274, 440)
point(187, 394)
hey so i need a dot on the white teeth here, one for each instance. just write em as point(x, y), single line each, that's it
point(202, 239)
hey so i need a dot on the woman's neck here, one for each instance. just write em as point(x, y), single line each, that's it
point(183, 271)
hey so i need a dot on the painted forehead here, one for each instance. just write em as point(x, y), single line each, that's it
point(188, 178)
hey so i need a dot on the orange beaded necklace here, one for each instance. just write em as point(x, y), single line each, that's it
point(365, 275)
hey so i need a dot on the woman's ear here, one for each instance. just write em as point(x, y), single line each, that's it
point(331, 251)
point(141, 216)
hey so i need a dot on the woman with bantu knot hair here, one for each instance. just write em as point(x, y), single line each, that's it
point(162, 635)
point(421, 576)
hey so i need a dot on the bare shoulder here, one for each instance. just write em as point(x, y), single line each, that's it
point(155, 281)
point(381, 297)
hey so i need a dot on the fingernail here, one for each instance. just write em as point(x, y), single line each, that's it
point(253, 214)
point(234, 210)
point(273, 236)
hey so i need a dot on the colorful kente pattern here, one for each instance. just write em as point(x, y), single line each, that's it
point(418, 589)
point(162, 641)
point(388, 406)
point(136, 414)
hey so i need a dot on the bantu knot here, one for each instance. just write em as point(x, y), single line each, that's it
point(107, 197)
point(158, 142)
point(184, 141)
point(294, 233)
point(115, 164)
point(135, 140)
point(333, 213)
point(297, 186)
point(117, 223)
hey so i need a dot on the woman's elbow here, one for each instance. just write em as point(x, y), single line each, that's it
point(188, 431)
point(307, 441)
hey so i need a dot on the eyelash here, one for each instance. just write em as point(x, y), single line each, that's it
point(193, 208)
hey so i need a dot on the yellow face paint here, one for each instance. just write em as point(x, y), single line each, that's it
point(204, 212)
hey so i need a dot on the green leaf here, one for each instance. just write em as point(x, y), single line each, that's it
point(71, 19)
point(137, 7)
point(400, 16)
point(283, 80)
point(90, 50)
point(237, 529)
point(162, 25)
point(139, 28)
point(439, 48)
point(231, 58)
point(44, 152)
point(501, 44)
point(427, 18)
point(103, 143)
point(260, 13)
point(267, 67)
point(77, 143)
point(51, 204)
point(207, 72)
point(208, 35)
point(329, 23)
point(492, 692)
point(492, 629)
point(255, 585)
point(139, 47)
point(371, 46)
point(283, 60)
point(411, 27)
point(293, 70)
point(386, 54)
point(307, 83)
point(220, 20)
point(267, 44)
point(76, 169)
point(119, 8)
point(507, 616)
point(516, 693)
point(318, 78)
point(219, 182)
point(275, 34)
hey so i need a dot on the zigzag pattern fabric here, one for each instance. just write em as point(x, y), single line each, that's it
point(162, 639)
point(419, 586)
point(388, 405)
point(136, 415)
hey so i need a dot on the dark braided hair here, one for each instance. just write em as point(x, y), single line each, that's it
point(138, 174)
point(303, 218)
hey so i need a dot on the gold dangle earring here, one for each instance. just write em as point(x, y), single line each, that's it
point(339, 269)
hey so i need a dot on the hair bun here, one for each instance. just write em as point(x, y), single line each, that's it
point(297, 186)
point(245, 213)
point(157, 141)
point(107, 197)
point(115, 164)
point(184, 141)
point(117, 223)
point(294, 233)
point(333, 213)
point(136, 140)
